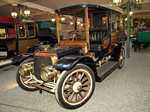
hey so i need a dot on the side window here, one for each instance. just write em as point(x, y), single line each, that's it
point(21, 30)
point(2, 33)
point(30, 30)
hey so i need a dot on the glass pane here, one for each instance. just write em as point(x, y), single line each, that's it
point(72, 27)
point(21, 31)
point(31, 29)
point(2, 32)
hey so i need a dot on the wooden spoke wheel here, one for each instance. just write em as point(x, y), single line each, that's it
point(75, 87)
point(24, 76)
point(121, 60)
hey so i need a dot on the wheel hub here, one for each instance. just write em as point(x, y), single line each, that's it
point(77, 87)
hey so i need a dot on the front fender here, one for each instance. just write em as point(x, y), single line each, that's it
point(20, 58)
point(68, 62)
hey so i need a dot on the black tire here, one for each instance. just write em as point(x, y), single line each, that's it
point(77, 86)
point(121, 60)
point(19, 79)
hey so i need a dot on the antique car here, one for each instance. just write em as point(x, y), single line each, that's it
point(88, 46)
point(142, 39)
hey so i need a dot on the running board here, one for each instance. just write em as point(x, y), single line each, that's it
point(106, 69)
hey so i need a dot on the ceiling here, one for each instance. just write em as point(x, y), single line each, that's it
point(43, 7)
point(39, 7)
point(2, 3)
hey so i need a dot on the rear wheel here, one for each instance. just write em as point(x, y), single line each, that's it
point(121, 60)
point(24, 76)
point(75, 87)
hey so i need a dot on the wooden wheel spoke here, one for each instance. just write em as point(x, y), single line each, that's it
point(82, 76)
point(76, 77)
point(83, 82)
point(76, 97)
point(27, 81)
point(67, 94)
point(84, 90)
point(72, 96)
point(84, 86)
point(68, 89)
point(27, 76)
point(80, 94)
point(70, 82)
point(32, 82)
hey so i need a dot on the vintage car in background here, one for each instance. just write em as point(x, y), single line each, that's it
point(142, 39)
point(88, 47)
point(46, 38)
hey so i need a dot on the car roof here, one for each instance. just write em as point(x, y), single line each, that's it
point(98, 6)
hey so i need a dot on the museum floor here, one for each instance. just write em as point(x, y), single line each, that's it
point(125, 90)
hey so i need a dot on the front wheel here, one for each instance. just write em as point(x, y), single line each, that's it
point(24, 76)
point(121, 60)
point(75, 87)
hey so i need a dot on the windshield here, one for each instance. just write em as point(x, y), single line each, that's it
point(72, 27)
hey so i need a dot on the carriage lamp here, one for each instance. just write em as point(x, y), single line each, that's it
point(14, 14)
point(27, 12)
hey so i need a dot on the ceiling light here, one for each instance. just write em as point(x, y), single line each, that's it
point(117, 2)
point(53, 20)
point(14, 14)
point(14, 4)
point(71, 23)
point(27, 12)
point(131, 13)
point(139, 1)
point(84, 5)
point(63, 19)
point(78, 22)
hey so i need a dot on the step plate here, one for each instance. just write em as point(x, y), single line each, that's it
point(106, 69)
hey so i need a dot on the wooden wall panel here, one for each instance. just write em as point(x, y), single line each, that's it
point(25, 44)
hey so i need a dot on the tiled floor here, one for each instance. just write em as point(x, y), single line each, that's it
point(125, 90)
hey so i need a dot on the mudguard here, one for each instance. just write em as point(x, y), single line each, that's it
point(116, 51)
point(20, 58)
point(68, 62)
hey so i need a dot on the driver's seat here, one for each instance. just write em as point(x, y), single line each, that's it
point(96, 43)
